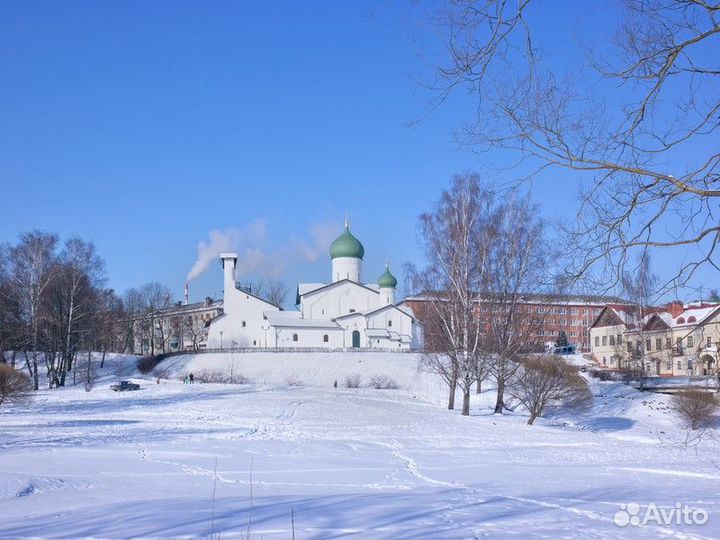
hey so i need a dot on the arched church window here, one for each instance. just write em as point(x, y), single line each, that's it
point(326, 338)
point(295, 337)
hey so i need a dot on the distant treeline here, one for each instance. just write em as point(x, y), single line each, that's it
point(55, 304)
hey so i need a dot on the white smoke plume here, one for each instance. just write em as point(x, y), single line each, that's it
point(253, 257)
point(321, 236)
point(225, 241)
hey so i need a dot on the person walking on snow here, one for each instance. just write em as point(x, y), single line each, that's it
point(192, 378)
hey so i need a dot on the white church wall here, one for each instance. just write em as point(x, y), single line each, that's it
point(338, 300)
point(393, 320)
point(308, 337)
point(243, 324)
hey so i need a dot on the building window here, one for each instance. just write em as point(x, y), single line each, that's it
point(597, 341)
point(679, 364)
point(612, 340)
point(709, 342)
point(668, 365)
point(244, 324)
point(668, 343)
point(690, 341)
point(352, 311)
point(658, 344)
point(389, 323)
point(604, 361)
point(619, 339)
point(648, 344)
point(690, 365)
point(295, 337)
point(254, 341)
point(325, 338)
point(678, 342)
point(604, 340)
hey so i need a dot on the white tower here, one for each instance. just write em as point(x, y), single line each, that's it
point(346, 253)
point(229, 262)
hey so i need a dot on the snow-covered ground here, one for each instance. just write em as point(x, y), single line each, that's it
point(358, 463)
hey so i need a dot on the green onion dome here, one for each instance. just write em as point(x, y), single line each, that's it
point(346, 245)
point(387, 280)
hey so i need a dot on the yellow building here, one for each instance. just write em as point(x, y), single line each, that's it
point(673, 340)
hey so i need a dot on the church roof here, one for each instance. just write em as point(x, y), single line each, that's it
point(387, 280)
point(334, 283)
point(388, 306)
point(346, 245)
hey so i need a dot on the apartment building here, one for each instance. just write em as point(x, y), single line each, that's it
point(672, 340)
point(553, 313)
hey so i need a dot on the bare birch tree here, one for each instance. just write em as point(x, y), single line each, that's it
point(516, 265)
point(638, 121)
point(32, 269)
point(639, 288)
point(456, 237)
point(273, 290)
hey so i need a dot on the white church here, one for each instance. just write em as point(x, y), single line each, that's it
point(342, 314)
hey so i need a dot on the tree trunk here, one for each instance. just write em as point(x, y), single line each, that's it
point(102, 360)
point(500, 402)
point(36, 380)
point(466, 401)
point(87, 373)
point(12, 359)
point(478, 388)
point(451, 397)
point(531, 419)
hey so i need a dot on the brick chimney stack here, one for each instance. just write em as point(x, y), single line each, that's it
point(675, 308)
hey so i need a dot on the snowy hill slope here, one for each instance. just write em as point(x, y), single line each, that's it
point(320, 369)
point(357, 463)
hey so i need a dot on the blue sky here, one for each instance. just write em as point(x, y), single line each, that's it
point(144, 126)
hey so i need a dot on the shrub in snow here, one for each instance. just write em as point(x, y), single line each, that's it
point(352, 381)
point(219, 376)
point(695, 407)
point(147, 363)
point(382, 382)
point(161, 373)
point(294, 381)
point(601, 374)
point(15, 385)
point(550, 380)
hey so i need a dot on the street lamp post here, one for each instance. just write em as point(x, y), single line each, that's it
point(221, 333)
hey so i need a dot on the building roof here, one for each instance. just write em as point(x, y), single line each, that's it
point(539, 298)
point(239, 287)
point(388, 306)
point(658, 317)
point(313, 291)
point(180, 309)
point(283, 321)
point(346, 245)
